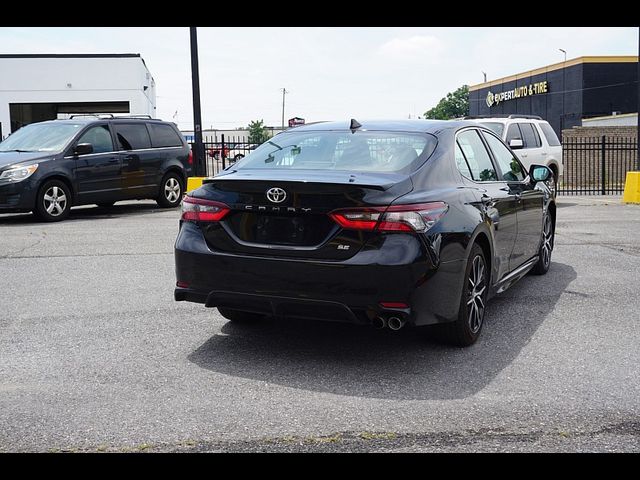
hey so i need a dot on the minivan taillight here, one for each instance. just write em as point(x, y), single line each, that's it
point(200, 210)
point(190, 157)
point(396, 218)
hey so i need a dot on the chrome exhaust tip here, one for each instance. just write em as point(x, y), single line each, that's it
point(379, 323)
point(395, 323)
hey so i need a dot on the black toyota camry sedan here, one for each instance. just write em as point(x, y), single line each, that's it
point(382, 223)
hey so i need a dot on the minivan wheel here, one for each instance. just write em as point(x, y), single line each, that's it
point(240, 317)
point(170, 191)
point(466, 329)
point(546, 247)
point(53, 202)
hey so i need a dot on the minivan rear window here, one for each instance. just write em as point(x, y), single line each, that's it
point(368, 151)
point(132, 136)
point(163, 135)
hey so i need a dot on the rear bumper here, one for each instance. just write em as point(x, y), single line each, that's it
point(348, 291)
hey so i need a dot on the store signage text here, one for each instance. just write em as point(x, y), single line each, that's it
point(518, 92)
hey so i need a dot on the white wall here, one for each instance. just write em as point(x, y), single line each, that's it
point(624, 120)
point(51, 80)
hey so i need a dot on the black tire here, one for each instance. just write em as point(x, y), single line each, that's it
point(466, 329)
point(106, 204)
point(171, 189)
point(546, 247)
point(53, 201)
point(238, 157)
point(240, 317)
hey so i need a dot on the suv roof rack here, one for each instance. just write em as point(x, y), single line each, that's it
point(111, 116)
point(532, 117)
point(503, 115)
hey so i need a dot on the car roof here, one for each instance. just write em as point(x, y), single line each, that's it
point(413, 125)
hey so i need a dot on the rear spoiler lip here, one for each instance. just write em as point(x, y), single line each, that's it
point(348, 181)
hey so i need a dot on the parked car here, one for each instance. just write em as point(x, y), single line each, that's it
point(313, 224)
point(240, 150)
point(531, 137)
point(48, 167)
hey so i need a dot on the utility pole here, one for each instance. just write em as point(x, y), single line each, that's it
point(198, 146)
point(284, 92)
point(485, 76)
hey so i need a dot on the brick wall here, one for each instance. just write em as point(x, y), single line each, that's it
point(582, 158)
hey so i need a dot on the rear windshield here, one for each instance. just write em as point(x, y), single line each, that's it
point(497, 127)
point(367, 151)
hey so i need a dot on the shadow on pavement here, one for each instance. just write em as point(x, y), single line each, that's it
point(89, 212)
point(360, 361)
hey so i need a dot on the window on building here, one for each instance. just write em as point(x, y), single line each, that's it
point(477, 156)
point(509, 165)
point(99, 137)
point(132, 136)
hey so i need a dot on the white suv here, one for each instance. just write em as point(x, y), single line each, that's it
point(530, 137)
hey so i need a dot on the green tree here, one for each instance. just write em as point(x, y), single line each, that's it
point(455, 104)
point(258, 133)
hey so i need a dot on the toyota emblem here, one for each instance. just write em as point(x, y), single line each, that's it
point(276, 195)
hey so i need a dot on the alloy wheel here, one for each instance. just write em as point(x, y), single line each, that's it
point(475, 298)
point(54, 201)
point(172, 190)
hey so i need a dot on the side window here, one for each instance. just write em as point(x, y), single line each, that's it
point(132, 136)
point(530, 136)
point(461, 163)
point(513, 132)
point(508, 163)
point(477, 156)
point(550, 135)
point(163, 135)
point(99, 137)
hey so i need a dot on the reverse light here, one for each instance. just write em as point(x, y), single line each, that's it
point(201, 210)
point(17, 174)
point(396, 218)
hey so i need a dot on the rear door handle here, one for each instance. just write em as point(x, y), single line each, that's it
point(113, 160)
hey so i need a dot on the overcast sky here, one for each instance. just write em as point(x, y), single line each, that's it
point(330, 73)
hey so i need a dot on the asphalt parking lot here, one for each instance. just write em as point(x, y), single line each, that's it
point(96, 356)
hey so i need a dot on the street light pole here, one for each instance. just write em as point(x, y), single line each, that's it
point(198, 146)
point(284, 92)
point(564, 88)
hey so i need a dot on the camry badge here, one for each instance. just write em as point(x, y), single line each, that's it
point(276, 195)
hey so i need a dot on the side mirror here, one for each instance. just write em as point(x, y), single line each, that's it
point(83, 149)
point(540, 173)
point(516, 143)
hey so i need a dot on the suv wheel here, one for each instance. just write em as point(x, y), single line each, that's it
point(53, 202)
point(170, 191)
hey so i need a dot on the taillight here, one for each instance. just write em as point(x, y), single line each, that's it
point(190, 157)
point(200, 210)
point(397, 218)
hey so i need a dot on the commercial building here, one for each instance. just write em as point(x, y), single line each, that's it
point(38, 87)
point(563, 93)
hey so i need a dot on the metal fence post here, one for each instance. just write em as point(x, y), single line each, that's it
point(602, 165)
point(222, 154)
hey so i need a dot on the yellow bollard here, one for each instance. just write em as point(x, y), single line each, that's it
point(194, 182)
point(632, 188)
